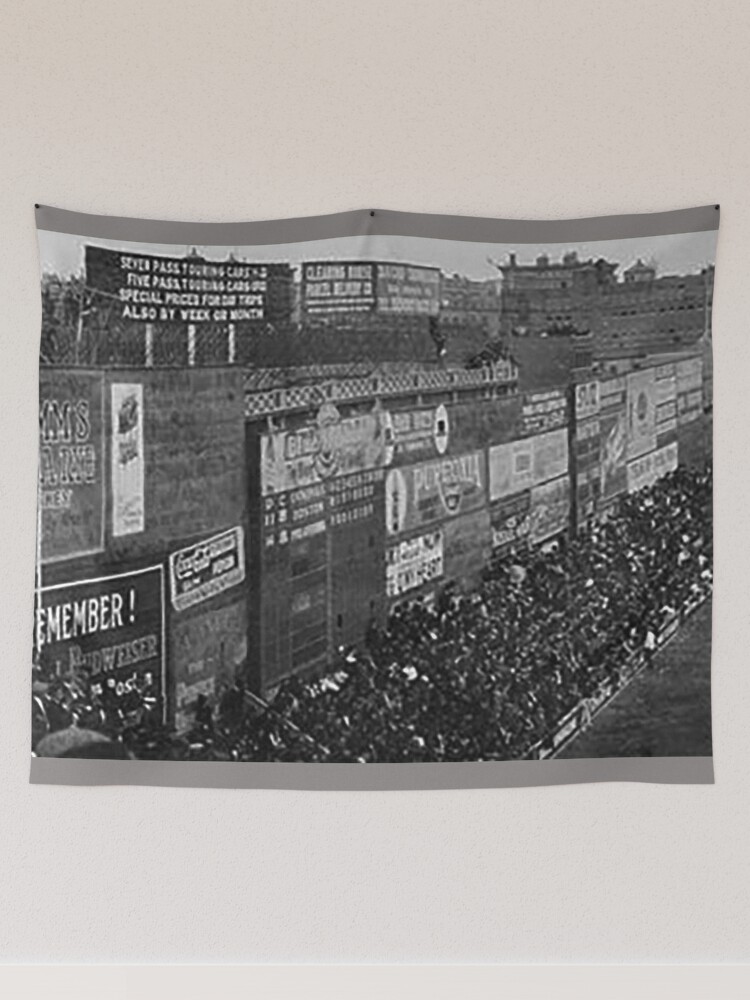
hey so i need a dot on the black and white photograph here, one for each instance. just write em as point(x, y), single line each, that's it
point(374, 499)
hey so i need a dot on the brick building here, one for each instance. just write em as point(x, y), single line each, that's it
point(470, 302)
point(637, 313)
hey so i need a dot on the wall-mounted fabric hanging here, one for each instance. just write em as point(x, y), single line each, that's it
point(428, 498)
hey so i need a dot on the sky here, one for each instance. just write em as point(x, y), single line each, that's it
point(62, 253)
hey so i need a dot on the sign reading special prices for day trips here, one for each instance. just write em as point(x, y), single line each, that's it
point(206, 569)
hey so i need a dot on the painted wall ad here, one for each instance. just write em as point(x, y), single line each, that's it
point(586, 400)
point(641, 387)
point(206, 569)
point(71, 464)
point(108, 635)
point(332, 446)
point(550, 509)
point(128, 461)
point(511, 468)
point(414, 435)
point(510, 522)
point(550, 455)
point(432, 491)
point(613, 454)
point(415, 562)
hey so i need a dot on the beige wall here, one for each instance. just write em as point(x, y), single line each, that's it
point(244, 110)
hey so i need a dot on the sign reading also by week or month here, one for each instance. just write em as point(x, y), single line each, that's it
point(207, 568)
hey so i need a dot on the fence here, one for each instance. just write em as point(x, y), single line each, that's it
point(100, 337)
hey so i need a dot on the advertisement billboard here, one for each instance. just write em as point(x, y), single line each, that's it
point(612, 394)
point(467, 542)
point(108, 634)
point(665, 459)
point(510, 522)
point(587, 442)
point(550, 455)
point(332, 446)
point(550, 509)
point(407, 290)
point(666, 390)
point(613, 453)
point(511, 468)
point(648, 469)
point(641, 388)
point(543, 411)
point(185, 290)
point(424, 494)
point(689, 405)
point(587, 493)
point(207, 647)
point(338, 287)
point(689, 374)
point(207, 568)
point(413, 435)
point(641, 473)
point(586, 400)
point(128, 460)
point(71, 464)
point(412, 563)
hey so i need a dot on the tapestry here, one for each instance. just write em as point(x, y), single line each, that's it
point(430, 494)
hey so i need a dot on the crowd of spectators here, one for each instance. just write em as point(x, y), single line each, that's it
point(480, 676)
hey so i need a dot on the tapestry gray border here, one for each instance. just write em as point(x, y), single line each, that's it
point(371, 777)
point(379, 222)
